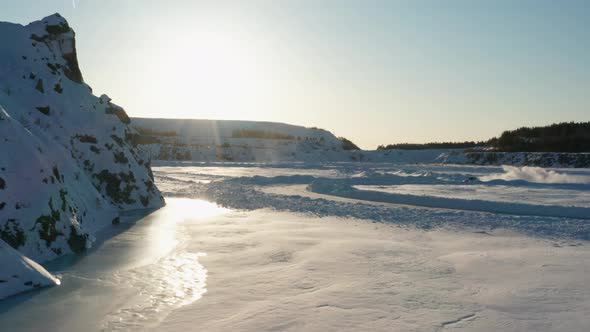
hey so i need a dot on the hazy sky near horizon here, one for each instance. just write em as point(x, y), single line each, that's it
point(376, 72)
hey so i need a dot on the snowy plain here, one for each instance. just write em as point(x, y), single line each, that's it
point(334, 247)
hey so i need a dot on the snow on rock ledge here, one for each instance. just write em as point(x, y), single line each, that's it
point(68, 163)
point(20, 274)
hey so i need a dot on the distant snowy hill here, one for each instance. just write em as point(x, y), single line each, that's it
point(67, 164)
point(271, 142)
point(241, 141)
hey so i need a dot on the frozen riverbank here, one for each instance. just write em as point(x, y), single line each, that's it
point(130, 282)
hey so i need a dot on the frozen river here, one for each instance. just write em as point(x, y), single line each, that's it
point(290, 256)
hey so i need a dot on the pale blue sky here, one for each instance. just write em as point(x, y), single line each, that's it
point(376, 72)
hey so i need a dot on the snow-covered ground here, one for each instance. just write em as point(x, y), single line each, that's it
point(293, 250)
point(418, 195)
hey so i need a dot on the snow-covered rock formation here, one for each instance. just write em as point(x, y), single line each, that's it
point(68, 164)
point(241, 141)
point(20, 274)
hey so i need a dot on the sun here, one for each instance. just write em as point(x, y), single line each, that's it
point(213, 73)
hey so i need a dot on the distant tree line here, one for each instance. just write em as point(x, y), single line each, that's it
point(348, 144)
point(148, 136)
point(559, 137)
point(433, 145)
point(250, 133)
point(152, 132)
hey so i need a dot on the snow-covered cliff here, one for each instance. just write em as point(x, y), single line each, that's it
point(241, 141)
point(68, 165)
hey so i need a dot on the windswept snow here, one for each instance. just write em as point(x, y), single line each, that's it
point(280, 271)
point(266, 270)
point(288, 257)
point(417, 196)
point(500, 193)
point(537, 175)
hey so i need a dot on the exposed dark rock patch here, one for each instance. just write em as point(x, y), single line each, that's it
point(76, 241)
point(86, 139)
point(44, 109)
point(119, 112)
point(48, 231)
point(13, 234)
point(39, 86)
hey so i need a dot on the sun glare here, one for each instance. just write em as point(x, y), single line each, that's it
point(219, 71)
point(185, 208)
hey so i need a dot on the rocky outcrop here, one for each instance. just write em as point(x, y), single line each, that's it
point(68, 165)
point(20, 274)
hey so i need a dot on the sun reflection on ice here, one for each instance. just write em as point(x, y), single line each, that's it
point(164, 237)
point(193, 208)
point(185, 277)
point(175, 278)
